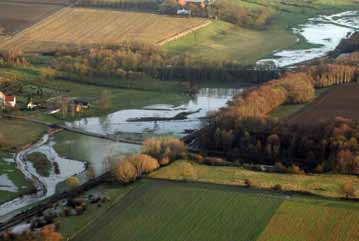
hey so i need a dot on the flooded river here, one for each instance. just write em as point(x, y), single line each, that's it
point(325, 32)
point(71, 151)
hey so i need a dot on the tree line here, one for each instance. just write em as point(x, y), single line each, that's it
point(244, 130)
point(326, 147)
point(12, 57)
point(223, 10)
point(139, 61)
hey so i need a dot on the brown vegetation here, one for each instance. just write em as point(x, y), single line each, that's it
point(73, 181)
point(126, 172)
point(341, 101)
point(47, 233)
point(329, 146)
point(165, 149)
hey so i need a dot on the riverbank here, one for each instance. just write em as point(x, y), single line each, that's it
point(222, 40)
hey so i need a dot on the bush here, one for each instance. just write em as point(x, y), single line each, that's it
point(41, 163)
point(277, 187)
point(348, 190)
point(165, 149)
point(296, 170)
point(248, 183)
point(144, 163)
point(125, 172)
point(73, 181)
point(214, 161)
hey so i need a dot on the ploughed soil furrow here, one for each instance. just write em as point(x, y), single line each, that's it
point(341, 101)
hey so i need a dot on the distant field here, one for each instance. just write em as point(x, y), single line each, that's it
point(325, 185)
point(339, 101)
point(15, 16)
point(89, 26)
point(161, 210)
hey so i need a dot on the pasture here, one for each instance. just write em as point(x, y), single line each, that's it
point(15, 16)
point(150, 210)
point(89, 26)
point(15, 134)
point(339, 101)
point(325, 185)
point(169, 211)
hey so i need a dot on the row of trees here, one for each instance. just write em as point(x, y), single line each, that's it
point(325, 75)
point(12, 57)
point(138, 61)
point(292, 88)
point(242, 129)
point(143, 5)
point(234, 13)
point(323, 147)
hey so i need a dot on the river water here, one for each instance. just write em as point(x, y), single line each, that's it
point(67, 148)
point(325, 32)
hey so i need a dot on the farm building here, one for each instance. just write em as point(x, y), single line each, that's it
point(7, 100)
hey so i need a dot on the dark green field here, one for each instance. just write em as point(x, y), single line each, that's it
point(166, 211)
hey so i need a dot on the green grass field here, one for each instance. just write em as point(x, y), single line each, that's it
point(17, 133)
point(152, 210)
point(224, 41)
point(163, 211)
point(325, 185)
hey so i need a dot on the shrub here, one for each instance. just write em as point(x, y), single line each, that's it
point(41, 163)
point(348, 190)
point(248, 183)
point(195, 157)
point(73, 181)
point(214, 161)
point(165, 149)
point(296, 170)
point(277, 187)
point(125, 172)
point(144, 163)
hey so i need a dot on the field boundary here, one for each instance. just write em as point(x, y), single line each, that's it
point(182, 34)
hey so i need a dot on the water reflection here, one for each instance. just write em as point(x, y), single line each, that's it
point(206, 101)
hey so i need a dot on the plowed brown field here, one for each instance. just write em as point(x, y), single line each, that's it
point(90, 26)
point(16, 16)
point(341, 101)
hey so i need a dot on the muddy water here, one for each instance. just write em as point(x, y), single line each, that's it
point(324, 31)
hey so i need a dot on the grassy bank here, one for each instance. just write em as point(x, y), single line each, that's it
point(329, 185)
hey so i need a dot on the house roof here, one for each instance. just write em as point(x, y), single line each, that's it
point(9, 98)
